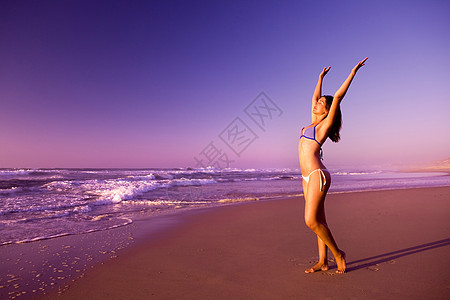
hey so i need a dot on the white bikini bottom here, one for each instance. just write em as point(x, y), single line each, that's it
point(322, 183)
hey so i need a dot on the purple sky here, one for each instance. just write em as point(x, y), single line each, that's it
point(152, 83)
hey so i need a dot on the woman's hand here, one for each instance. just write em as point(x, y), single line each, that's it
point(325, 71)
point(340, 93)
point(359, 65)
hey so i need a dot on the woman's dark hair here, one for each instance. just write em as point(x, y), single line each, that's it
point(337, 124)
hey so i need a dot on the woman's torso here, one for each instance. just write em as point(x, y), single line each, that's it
point(309, 148)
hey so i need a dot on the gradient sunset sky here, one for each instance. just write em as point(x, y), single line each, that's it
point(153, 83)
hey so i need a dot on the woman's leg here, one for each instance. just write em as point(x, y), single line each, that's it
point(315, 219)
point(322, 264)
point(323, 249)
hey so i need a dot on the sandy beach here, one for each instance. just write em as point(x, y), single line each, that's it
point(397, 245)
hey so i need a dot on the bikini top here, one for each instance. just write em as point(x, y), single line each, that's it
point(310, 133)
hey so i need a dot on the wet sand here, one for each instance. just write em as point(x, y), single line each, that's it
point(397, 245)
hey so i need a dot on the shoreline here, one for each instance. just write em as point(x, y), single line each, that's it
point(80, 218)
point(427, 170)
point(116, 248)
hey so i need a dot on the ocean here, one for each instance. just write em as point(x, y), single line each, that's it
point(38, 204)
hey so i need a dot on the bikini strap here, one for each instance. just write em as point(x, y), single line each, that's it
point(322, 184)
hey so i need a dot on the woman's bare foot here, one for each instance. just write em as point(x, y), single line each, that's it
point(318, 267)
point(340, 261)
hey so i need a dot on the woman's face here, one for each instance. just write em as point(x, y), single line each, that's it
point(320, 108)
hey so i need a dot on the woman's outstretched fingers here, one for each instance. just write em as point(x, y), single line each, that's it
point(325, 71)
point(360, 64)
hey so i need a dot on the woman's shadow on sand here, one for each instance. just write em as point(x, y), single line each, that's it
point(390, 256)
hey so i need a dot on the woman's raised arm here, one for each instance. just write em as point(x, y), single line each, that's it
point(318, 90)
point(340, 93)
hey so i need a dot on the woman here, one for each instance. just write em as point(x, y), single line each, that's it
point(326, 123)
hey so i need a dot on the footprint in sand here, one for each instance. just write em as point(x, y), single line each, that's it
point(373, 268)
point(300, 262)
